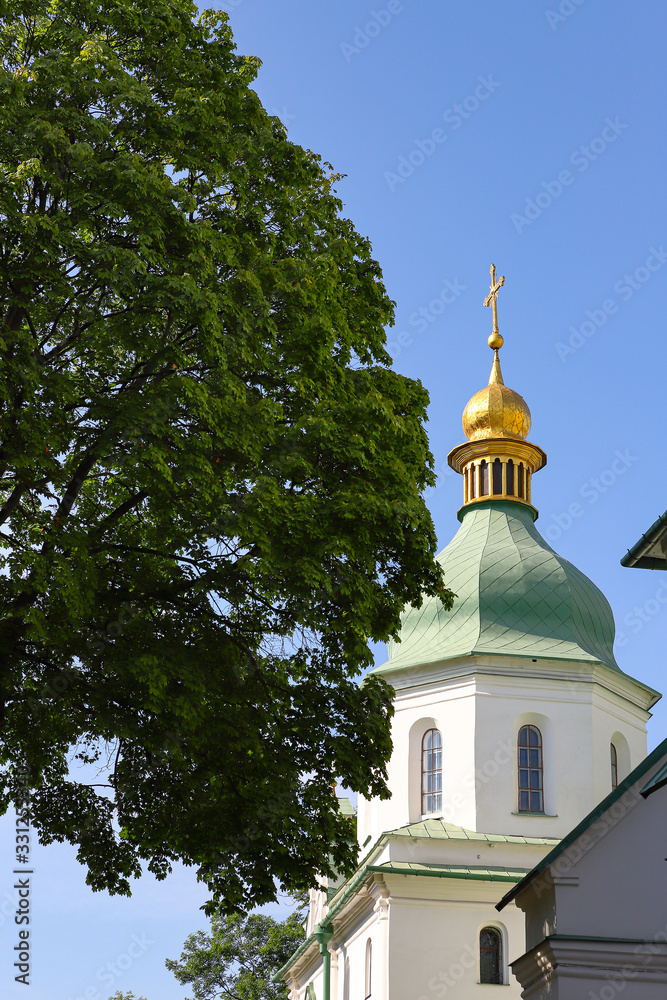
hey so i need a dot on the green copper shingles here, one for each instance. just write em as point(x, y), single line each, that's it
point(515, 597)
point(438, 829)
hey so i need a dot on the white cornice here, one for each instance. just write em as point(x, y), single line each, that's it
point(455, 675)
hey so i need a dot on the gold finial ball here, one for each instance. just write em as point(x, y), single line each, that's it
point(495, 341)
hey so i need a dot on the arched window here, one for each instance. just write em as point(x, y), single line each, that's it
point(490, 956)
point(369, 962)
point(520, 480)
point(510, 478)
point(484, 478)
point(531, 785)
point(473, 481)
point(614, 766)
point(431, 772)
point(346, 981)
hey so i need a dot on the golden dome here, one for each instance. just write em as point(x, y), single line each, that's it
point(496, 411)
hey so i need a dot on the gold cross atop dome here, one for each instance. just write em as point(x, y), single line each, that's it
point(497, 461)
point(496, 410)
point(495, 340)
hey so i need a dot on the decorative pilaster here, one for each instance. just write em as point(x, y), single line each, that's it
point(382, 900)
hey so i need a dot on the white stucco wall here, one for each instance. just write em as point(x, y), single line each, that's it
point(434, 943)
point(479, 715)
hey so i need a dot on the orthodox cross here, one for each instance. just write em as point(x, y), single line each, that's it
point(492, 297)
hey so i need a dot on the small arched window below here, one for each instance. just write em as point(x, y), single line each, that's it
point(614, 765)
point(490, 956)
point(369, 963)
point(431, 772)
point(531, 784)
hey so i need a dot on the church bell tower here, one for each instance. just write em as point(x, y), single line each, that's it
point(512, 721)
point(526, 653)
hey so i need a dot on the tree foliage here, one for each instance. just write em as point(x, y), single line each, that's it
point(210, 478)
point(239, 958)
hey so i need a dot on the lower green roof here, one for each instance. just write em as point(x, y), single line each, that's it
point(437, 829)
point(451, 871)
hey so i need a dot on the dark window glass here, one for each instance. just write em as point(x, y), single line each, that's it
point(497, 477)
point(431, 772)
point(490, 956)
point(531, 789)
point(520, 480)
point(473, 482)
point(484, 478)
point(369, 965)
point(510, 478)
point(614, 766)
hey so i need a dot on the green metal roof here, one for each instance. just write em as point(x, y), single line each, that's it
point(514, 597)
point(650, 552)
point(595, 814)
point(345, 807)
point(437, 829)
point(659, 780)
point(475, 872)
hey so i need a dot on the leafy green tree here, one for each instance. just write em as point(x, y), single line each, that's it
point(125, 996)
point(210, 478)
point(238, 959)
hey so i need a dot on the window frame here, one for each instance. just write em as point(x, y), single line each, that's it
point(430, 794)
point(368, 971)
point(530, 789)
point(499, 968)
point(613, 753)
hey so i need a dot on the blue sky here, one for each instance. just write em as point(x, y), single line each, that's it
point(529, 134)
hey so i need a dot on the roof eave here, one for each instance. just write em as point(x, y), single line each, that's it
point(636, 558)
point(585, 823)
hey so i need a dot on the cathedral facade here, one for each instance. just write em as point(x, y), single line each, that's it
point(512, 721)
